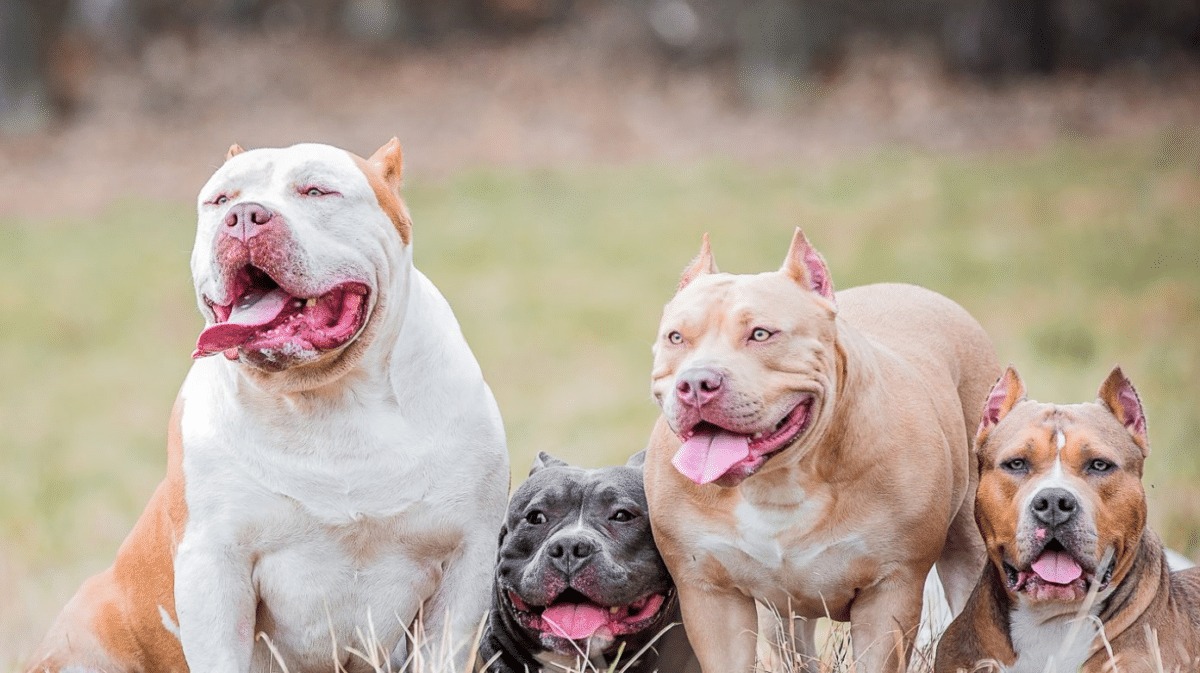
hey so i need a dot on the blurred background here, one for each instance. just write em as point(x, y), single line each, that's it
point(1036, 160)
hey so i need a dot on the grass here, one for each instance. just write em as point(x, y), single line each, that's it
point(1074, 258)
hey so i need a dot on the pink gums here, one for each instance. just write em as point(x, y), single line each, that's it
point(711, 454)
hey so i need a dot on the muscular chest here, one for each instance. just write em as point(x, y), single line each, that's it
point(785, 555)
point(1063, 642)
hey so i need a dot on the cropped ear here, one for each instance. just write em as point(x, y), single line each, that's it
point(807, 267)
point(1120, 397)
point(702, 264)
point(544, 460)
point(1008, 391)
point(234, 150)
point(389, 159)
point(637, 460)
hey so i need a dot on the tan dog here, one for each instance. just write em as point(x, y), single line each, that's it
point(1063, 514)
point(813, 454)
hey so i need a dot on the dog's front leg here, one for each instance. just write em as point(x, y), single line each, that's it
point(215, 603)
point(883, 622)
point(454, 613)
point(722, 628)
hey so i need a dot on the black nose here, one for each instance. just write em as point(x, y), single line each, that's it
point(570, 552)
point(1054, 506)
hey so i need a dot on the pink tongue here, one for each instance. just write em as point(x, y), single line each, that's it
point(575, 621)
point(1057, 567)
point(708, 454)
point(244, 322)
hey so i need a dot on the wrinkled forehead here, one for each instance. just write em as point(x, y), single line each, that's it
point(1062, 429)
point(723, 297)
point(577, 486)
point(306, 163)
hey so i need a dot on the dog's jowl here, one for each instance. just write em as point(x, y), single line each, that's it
point(579, 583)
point(318, 460)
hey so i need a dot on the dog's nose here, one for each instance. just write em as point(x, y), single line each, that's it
point(568, 553)
point(1054, 506)
point(699, 386)
point(246, 220)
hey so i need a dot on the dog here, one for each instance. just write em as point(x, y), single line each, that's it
point(579, 583)
point(813, 455)
point(321, 450)
point(1075, 579)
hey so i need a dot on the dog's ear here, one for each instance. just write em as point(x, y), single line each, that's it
point(702, 264)
point(637, 460)
point(1008, 391)
point(807, 267)
point(234, 150)
point(544, 460)
point(1120, 397)
point(389, 160)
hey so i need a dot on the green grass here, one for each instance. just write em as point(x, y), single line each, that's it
point(1074, 258)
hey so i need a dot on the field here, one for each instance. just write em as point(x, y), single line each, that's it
point(1075, 257)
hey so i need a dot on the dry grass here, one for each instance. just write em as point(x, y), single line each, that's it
point(1073, 257)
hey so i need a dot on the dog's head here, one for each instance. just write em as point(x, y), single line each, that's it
point(298, 251)
point(1060, 501)
point(745, 366)
point(578, 570)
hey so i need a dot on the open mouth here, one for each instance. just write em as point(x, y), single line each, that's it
point(573, 616)
point(1056, 575)
point(711, 453)
point(264, 317)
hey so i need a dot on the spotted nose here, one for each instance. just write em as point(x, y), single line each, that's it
point(570, 552)
point(247, 220)
point(699, 386)
point(1054, 506)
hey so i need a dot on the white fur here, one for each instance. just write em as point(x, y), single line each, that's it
point(1045, 643)
point(315, 509)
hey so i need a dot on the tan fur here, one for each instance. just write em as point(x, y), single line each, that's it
point(114, 622)
point(880, 484)
point(384, 170)
point(1144, 593)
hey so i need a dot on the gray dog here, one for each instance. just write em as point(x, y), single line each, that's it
point(580, 585)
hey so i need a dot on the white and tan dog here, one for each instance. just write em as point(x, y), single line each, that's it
point(813, 455)
point(339, 467)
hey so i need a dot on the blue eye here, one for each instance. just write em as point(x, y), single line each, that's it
point(1015, 465)
point(675, 338)
point(760, 334)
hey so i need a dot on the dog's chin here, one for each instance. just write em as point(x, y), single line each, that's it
point(573, 624)
point(1055, 574)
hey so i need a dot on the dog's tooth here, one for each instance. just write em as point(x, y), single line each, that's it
point(298, 303)
point(614, 610)
point(757, 435)
point(311, 302)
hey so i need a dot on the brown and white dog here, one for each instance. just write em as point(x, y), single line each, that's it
point(338, 467)
point(1076, 581)
point(813, 454)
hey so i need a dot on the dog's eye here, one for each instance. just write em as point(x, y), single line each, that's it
point(1015, 465)
point(220, 200)
point(622, 515)
point(312, 190)
point(675, 338)
point(1100, 465)
point(760, 334)
point(536, 517)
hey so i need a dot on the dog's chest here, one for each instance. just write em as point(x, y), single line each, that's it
point(778, 553)
point(1063, 643)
